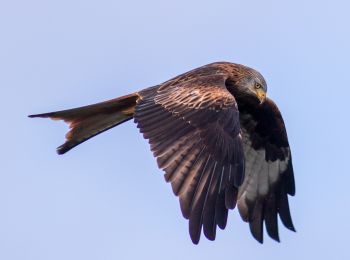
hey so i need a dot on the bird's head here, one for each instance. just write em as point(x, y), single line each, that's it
point(249, 84)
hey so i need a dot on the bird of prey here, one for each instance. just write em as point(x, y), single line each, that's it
point(220, 141)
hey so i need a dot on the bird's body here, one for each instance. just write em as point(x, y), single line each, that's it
point(220, 141)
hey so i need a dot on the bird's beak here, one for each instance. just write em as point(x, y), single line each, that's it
point(261, 95)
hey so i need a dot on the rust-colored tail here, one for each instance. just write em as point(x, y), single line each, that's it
point(88, 121)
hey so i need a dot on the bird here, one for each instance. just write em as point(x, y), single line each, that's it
point(219, 139)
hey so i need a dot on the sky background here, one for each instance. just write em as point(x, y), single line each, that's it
point(106, 199)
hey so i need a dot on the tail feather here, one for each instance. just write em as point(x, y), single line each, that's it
point(88, 121)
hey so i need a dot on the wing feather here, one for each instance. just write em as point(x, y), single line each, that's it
point(269, 174)
point(192, 124)
point(199, 199)
point(270, 216)
point(209, 211)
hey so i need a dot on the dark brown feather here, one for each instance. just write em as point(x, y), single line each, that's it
point(209, 211)
point(270, 216)
point(199, 199)
point(221, 210)
point(192, 124)
point(256, 221)
point(269, 171)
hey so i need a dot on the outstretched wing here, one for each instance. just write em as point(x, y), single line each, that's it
point(192, 123)
point(269, 173)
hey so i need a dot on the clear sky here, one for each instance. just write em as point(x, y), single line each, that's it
point(106, 199)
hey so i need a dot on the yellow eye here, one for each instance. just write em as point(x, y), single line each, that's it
point(257, 85)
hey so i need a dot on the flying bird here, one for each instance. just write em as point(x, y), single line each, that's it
point(219, 139)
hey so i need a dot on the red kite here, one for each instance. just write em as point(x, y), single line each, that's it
point(218, 138)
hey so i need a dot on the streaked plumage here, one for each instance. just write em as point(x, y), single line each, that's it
point(217, 137)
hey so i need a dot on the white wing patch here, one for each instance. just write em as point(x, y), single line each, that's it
point(260, 175)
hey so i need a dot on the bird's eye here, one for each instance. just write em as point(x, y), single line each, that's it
point(257, 85)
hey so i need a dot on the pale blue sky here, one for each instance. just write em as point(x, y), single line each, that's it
point(106, 199)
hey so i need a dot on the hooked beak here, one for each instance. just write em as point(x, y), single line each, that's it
point(261, 95)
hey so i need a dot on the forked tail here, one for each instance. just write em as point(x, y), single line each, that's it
point(88, 121)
